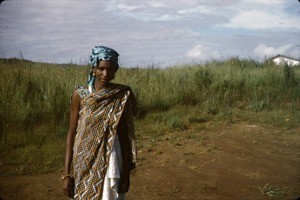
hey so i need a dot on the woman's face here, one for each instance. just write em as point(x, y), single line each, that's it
point(105, 71)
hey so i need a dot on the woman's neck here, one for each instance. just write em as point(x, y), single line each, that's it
point(98, 85)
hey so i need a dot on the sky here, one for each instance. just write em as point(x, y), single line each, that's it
point(157, 33)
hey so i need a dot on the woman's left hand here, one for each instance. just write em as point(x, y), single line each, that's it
point(124, 183)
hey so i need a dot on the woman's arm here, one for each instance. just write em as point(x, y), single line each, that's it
point(125, 151)
point(123, 131)
point(74, 114)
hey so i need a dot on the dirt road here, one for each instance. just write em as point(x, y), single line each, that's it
point(211, 160)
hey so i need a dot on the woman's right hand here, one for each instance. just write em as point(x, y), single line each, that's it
point(68, 187)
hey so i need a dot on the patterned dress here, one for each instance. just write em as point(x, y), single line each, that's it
point(100, 115)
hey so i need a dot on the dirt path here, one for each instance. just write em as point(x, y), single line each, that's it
point(211, 160)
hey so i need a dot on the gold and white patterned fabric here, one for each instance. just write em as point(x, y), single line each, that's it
point(99, 116)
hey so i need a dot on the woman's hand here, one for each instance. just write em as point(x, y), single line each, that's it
point(68, 187)
point(124, 183)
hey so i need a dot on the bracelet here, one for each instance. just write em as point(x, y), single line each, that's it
point(66, 176)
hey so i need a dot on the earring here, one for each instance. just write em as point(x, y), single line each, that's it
point(94, 74)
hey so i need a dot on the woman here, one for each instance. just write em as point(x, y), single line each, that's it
point(100, 142)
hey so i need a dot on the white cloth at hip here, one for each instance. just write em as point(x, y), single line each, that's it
point(113, 174)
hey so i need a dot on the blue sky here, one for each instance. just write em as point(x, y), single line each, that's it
point(154, 32)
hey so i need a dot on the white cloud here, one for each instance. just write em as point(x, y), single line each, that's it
point(256, 19)
point(166, 10)
point(195, 52)
point(262, 50)
point(157, 4)
point(126, 7)
point(264, 15)
point(197, 9)
point(266, 2)
point(203, 52)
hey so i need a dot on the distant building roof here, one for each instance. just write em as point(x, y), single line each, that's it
point(281, 59)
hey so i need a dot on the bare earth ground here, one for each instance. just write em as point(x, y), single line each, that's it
point(211, 160)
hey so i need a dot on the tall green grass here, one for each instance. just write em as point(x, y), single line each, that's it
point(215, 85)
point(35, 96)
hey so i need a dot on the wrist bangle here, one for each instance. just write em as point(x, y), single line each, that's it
point(66, 176)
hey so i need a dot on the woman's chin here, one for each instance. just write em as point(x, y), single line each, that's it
point(105, 82)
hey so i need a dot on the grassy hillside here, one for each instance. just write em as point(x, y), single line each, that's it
point(35, 102)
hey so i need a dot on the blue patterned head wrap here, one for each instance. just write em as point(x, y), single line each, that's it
point(101, 53)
